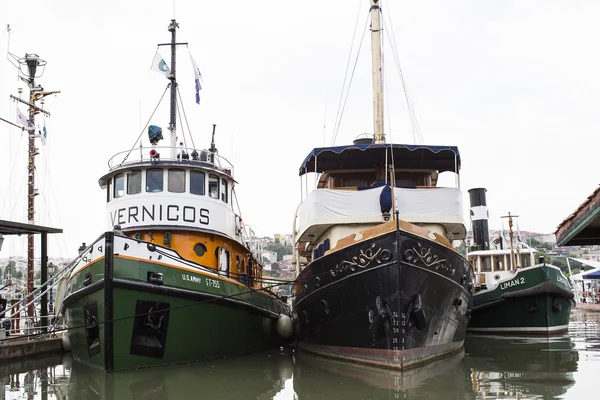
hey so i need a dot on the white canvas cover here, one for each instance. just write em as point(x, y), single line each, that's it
point(326, 207)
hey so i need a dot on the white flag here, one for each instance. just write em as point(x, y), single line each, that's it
point(159, 65)
point(22, 118)
point(43, 135)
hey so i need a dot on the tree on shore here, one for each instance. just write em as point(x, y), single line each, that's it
point(280, 249)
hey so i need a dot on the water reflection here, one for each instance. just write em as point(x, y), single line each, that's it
point(319, 378)
point(491, 367)
point(253, 377)
point(35, 378)
point(523, 368)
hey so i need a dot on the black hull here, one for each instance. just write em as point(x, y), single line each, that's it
point(396, 300)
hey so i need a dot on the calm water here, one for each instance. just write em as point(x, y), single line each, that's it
point(491, 367)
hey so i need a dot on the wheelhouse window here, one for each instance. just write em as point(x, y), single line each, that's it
point(134, 182)
point(498, 263)
point(197, 185)
point(154, 180)
point(176, 180)
point(119, 186)
point(486, 264)
point(354, 179)
point(108, 190)
point(224, 193)
point(213, 186)
point(525, 260)
point(412, 179)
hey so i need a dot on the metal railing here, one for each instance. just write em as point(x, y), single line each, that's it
point(169, 153)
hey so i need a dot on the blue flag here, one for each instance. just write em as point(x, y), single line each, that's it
point(198, 78)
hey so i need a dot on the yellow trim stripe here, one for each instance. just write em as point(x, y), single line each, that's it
point(200, 272)
point(196, 271)
point(85, 266)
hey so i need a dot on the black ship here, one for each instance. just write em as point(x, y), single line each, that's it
point(379, 281)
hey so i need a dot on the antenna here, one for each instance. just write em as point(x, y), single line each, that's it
point(213, 149)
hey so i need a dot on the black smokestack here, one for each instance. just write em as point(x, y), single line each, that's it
point(479, 218)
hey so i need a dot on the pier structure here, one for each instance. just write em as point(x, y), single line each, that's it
point(582, 226)
point(8, 228)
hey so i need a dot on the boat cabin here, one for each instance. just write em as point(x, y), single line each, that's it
point(492, 266)
point(182, 202)
point(360, 186)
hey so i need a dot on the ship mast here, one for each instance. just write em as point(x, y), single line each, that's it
point(172, 77)
point(511, 236)
point(28, 67)
point(173, 114)
point(379, 136)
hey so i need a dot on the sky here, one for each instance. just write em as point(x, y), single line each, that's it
point(513, 84)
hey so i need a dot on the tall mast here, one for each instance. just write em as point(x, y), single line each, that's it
point(173, 121)
point(511, 235)
point(379, 136)
point(28, 66)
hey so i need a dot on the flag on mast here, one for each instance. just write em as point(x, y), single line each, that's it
point(43, 135)
point(159, 65)
point(198, 78)
point(22, 118)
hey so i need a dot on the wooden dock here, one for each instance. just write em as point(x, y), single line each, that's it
point(14, 347)
point(588, 307)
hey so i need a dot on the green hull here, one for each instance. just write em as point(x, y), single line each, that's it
point(536, 300)
point(188, 317)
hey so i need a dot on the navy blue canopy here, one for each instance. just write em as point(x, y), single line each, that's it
point(591, 275)
point(358, 156)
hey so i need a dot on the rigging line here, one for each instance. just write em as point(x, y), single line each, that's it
point(412, 115)
point(64, 235)
point(348, 61)
point(185, 117)
point(12, 173)
point(387, 102)
point(17, 195)
point(339, 121)
point(182, 129)
point(51, 222)
point(12, 123)
point(49, 286)
point(142, 132)
point(192, 304)
point(243, 227)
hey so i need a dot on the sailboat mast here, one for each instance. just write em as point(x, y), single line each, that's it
point(379, 136)
point(29, 69)
point(173, 121)
point(31, 191)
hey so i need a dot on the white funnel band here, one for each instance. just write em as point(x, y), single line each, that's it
point(479, 213)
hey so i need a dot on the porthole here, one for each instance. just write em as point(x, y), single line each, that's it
point(199, 249)
point(497, 277)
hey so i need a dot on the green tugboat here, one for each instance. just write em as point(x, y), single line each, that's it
point(513, 294)
point(176, 278)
